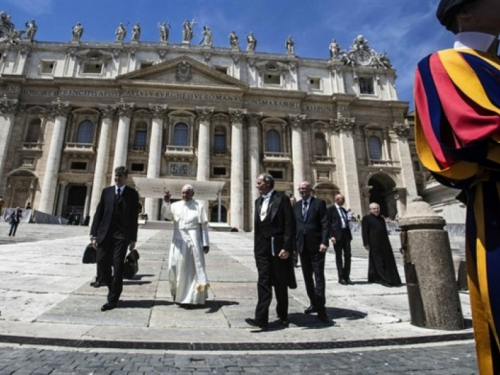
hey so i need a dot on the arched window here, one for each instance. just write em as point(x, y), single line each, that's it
point(319, 144)
point(214, 215)
point(33, 134)
point(85, 132)
point(273, 142)
point(181, 134)
point(375, 148)
point(220, 140)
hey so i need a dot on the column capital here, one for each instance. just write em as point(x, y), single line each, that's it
point(344, 124)
point(401, 129)
point(125, 109)
point(158, 110)
point(8, 106)
point(59, 108)
point(254, 118)
point(204, 113)
point(296, 121)
point(108, 111)
point(237, 114)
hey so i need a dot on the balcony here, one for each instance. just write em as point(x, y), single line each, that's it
point(380, 163)
point(179, 152)
point(31, 148)
point(138, 149)
point(79, 149)
point(324, 160)
point(277, 158)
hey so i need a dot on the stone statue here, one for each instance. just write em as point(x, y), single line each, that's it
point(207, 36)
point(382, 60)
point(251, 42)
point(334, 49)
point(120, 33)
point(77, 32)
point(187, 31)
point(233, 40)
point(31, 29)
point(136, 32)
point(164, 31)
point(290, 45)
point(360, 43)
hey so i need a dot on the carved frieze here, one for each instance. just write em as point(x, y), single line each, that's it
point(204, 113)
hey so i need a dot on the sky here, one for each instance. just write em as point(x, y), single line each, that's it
point(407, 30)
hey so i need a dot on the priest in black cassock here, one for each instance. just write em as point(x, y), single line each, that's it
point(382, 267)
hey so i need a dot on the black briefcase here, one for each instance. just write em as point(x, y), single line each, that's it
point(131, 266)
point(89, 255)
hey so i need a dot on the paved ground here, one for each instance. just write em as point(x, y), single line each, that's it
point(45, 299)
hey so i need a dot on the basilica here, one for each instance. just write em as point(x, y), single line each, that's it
point(70, 112)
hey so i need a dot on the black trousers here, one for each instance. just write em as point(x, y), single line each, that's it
point(313, 269)
point(13, 229)
point(110, 260)
point(343, 258)
point(273, 272)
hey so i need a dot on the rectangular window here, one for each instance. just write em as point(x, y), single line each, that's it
point(140, 139)
point(221, 69)
point(92, 68)
point(314, 83)
point(366, 85)
point(79, 165)
point(220, 143)
point(137, 167)
point(277, 175)
point(48, 67)
point(272, 79)
point(219, 171)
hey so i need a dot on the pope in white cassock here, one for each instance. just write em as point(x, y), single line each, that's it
point(186, 266)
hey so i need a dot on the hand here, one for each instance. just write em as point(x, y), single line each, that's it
point(334, 241)
point(167, 196)
point(93, 242)
point(367, 247)
point(322, 248)
point(206, 249)
point(132, 245)
point(283, 254)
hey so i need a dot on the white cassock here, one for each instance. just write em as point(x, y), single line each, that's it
point(186, 264)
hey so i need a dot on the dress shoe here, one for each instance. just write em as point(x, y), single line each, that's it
point(285, 322)
point(343, 282)
point(310, 309)
point(349, 282)
point(97, 284)
point(323, 316)
point(108, 306)
point(255, 323)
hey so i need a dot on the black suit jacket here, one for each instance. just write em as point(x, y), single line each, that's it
point(336, 225)
point(314, 229)
point(126, 217)
point(277, 228)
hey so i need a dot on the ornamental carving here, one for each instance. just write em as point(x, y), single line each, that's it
point(296, 121)
point(108, 111)
point(254, 118)
point(272, 67)
point(344, 124)
point(237, 114)
point(59, 108)
point(8, 106)
point(204, 113)
point(125, 109)
point(162, 52)
point(93, 55)
point(158, 110)
point(401, 129)
point(360, 54)
point(183, 72)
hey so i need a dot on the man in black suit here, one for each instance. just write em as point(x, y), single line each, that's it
point(273, 230)
point(311, 219)
point(340, 235)
point(114, 228)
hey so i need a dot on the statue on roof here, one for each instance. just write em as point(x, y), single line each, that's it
point(334, 49)
point(77, 32)
point(187, 31)
point(164, 31)
point(136, 32)
point(290, 45)
point(31, 29)
point(251, 42)
point(233, 40)
point(120, 32)
point(207, 37)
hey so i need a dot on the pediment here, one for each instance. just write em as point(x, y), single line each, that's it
point(182, 71)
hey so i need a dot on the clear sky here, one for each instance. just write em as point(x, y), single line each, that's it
point(406, 29)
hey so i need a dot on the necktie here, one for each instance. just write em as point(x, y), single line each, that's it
point(304, 209)
point(117, 194)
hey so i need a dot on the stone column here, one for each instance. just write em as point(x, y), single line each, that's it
point(253, 162)
point(347, 163)
point(407, 174)
point(204, 115)
point(62, 194)
point(60, 112)
point(125, 111)
point(87, 200)
point(296, 122)
point(101, 165)
point(237, 175)
point(151, 205)
point(7, 110)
